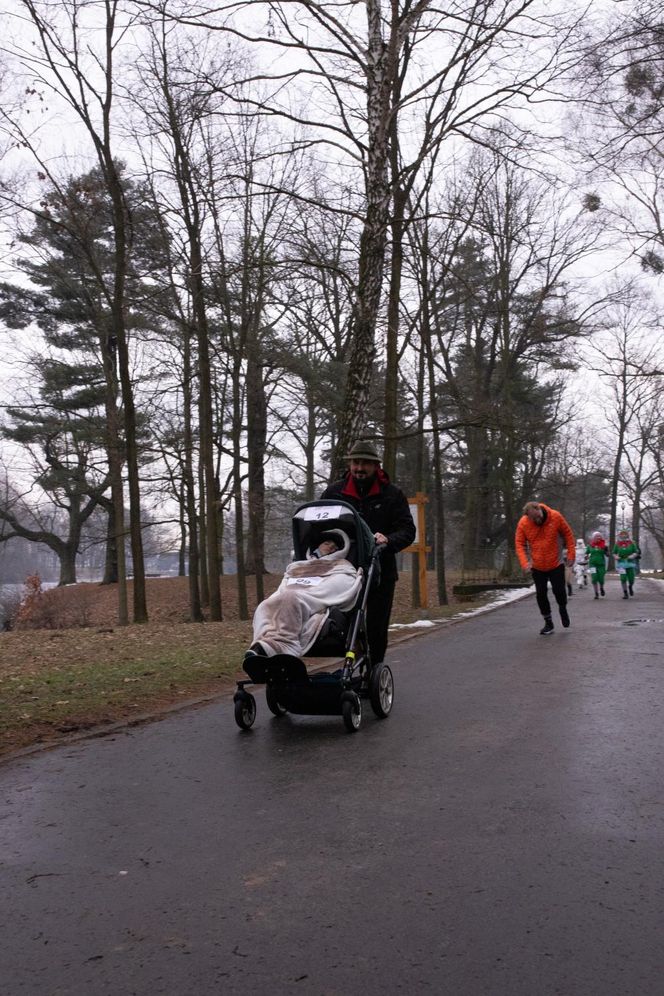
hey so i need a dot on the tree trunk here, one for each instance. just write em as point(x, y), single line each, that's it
point(118, 305)
point(206, 437)
point(622, 428)
point(115, 459)
point(256, 439)
point(252, 307)
point(241, 570)
point(209, 549)
point(381, 63)
point(67, 554)
point(195, 608)
point(111, 554)
point(438, 500)
point(202, 537)
point(475, 520)
point(418, 476)
point(135, 525)
point(243, 605)
point(310, 449)
point(393, 303)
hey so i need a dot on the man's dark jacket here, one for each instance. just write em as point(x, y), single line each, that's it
point(385, 510)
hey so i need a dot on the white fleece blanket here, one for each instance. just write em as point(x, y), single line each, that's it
point(289, 621)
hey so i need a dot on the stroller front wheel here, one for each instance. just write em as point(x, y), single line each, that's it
point(245, 710)
point(381, 690)
point(351, 710)
point(273, 703)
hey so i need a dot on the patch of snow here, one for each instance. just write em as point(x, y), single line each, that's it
point(420, 623)
point(512, 595)
point(502, 598)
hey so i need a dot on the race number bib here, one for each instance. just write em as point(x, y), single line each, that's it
point(324, 512)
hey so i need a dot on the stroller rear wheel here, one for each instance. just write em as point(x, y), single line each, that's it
point(273, 703)
point(245, 710)
point(381, 690)
point(351, 710)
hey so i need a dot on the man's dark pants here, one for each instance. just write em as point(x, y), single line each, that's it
point(557, 579)
point(379, 607)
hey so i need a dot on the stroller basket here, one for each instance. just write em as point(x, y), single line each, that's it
point(296, 690)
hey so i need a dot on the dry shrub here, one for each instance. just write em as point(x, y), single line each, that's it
point(34, 612)
point(52, 609)
point(57, 608)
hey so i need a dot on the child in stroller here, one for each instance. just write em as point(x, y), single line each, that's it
point(289, 621)
point(319, 610)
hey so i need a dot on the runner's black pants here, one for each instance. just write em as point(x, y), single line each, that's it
point(557, 579)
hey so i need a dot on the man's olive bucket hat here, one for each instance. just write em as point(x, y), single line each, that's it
point(363, 450)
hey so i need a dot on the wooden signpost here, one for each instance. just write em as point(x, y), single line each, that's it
point(417, 503)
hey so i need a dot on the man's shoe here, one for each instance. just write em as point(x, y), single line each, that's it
point(631, 590)
point(547, 627)
point(625, 595)
point(564, 617)
point(602, 592)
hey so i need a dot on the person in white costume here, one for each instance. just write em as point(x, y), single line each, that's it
point(581, 564)
point(289, 621)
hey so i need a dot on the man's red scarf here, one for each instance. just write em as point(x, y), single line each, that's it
point(599, 544)
point(350, 488)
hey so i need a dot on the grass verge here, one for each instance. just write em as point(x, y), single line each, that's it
point(53, 683)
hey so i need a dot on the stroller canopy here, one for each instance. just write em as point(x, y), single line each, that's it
point(314, 518)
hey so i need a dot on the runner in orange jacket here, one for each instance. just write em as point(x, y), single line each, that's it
point(543, 536)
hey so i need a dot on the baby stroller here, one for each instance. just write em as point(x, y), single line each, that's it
point(289, 687)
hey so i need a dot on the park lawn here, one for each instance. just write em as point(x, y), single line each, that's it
point(57, 682)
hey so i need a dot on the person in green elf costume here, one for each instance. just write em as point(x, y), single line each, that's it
point(626, 552)
point(598, 554)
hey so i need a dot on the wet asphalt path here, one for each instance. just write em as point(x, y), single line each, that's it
point(500, 834)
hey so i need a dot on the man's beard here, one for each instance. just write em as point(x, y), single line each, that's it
point(363, 484)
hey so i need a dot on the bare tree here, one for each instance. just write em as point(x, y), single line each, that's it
point(310, 341)
point(176, 110)
point(358, 64)
point(652, 505)
point(642, 471)
point(69, 496)
point(576, 477)
point(619, 357)
point(74, 58)
point(501, 319)
point(620, 131)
